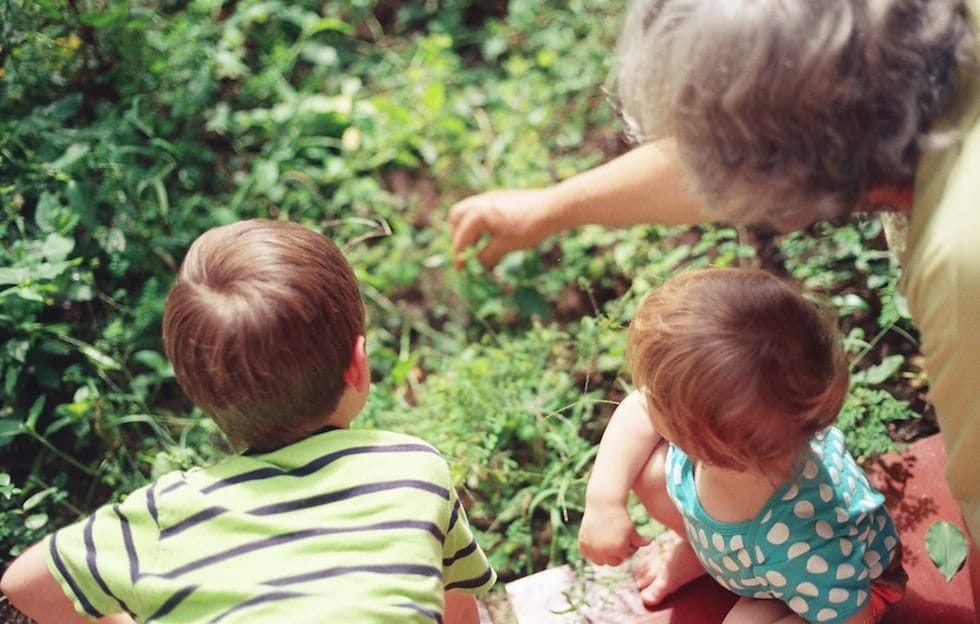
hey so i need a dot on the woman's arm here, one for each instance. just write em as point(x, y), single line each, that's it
point(644, 185)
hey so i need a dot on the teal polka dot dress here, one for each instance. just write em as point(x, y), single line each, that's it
point(817, 544)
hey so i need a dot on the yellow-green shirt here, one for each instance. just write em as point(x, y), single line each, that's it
point(343, 526)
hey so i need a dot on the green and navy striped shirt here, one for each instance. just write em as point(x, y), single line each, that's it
point(343, 526)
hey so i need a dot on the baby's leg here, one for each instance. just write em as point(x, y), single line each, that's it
point(669, 562)
point(756, 611)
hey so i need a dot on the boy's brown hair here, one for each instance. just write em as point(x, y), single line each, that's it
point(260, 326)
point(742, 367)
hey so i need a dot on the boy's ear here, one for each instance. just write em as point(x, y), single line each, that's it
point(358, 373)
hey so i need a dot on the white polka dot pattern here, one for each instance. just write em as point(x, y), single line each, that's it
point(797, 549)
point(778, 534)
point(816, 544)
point(816, 565)
point(803, 509)
point(798, 605)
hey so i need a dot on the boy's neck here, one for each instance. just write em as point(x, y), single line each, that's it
point(261, 450)
point(348, 409)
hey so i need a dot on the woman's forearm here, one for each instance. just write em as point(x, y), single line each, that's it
point(644, 185)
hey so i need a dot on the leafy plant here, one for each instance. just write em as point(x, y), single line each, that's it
point(509, 415)
point(127, 128)
point(25, 518)
point(869, 409)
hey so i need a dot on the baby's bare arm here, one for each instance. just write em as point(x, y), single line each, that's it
point(627, 444)
point(607, 534)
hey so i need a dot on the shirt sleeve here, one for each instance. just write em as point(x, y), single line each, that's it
point(465, 565)
point(96, 560)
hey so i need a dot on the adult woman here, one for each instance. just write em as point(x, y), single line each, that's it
point(790, 112)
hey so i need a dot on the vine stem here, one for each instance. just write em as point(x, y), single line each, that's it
point(54, 449)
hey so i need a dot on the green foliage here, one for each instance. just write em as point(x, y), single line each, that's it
point(869, 409)
point(24, 519)
point(127, 128)
point(865, 418)
point(848, 263)
point(515, 416)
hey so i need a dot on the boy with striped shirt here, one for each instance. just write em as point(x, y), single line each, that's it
point(314, 522)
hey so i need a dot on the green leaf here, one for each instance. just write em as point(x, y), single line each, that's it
point(70, 156)
point(228, 65)
point(9, 429)
point(155, 361)
point(57, 247)
point(114, 241)
point(38, 498)
point(493, 47)
point(531, 303)
point(46, 213)
point(947, 547)
point(319, 54)
point(434, 96)
point(14, 275)
point(266, 174)
point(102, 360)
point(7, 487)
point(878, 373)
point(34, 522)
point(99, 358)
point(64, 108)
point(101, 19)
point(35, 412)
point(330, 23)
point(24, 293)
point(50, 270)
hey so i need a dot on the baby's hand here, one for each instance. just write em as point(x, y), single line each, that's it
point(607, 535)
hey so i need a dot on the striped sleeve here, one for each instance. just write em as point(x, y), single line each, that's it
point(97, 560)
point(464, 563)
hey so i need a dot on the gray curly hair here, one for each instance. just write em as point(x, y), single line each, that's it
point(786, 112)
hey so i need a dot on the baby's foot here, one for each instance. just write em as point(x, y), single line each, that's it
point(663, 567)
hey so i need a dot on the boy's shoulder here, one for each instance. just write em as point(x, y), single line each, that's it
point(328, 447)
point(376, 440)
point(366, 453)
point(385, 436)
